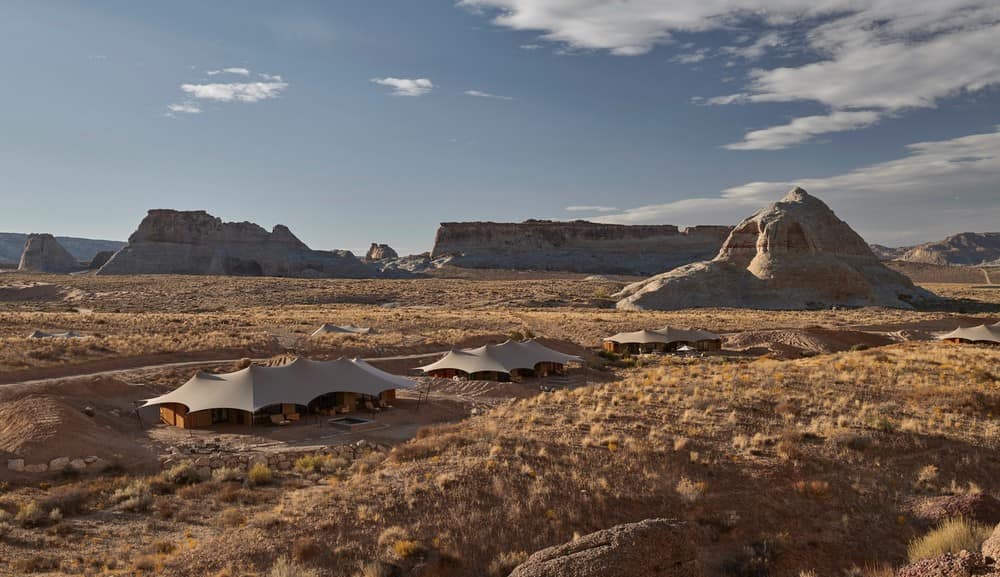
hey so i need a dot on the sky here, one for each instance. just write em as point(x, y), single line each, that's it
point(360, 121)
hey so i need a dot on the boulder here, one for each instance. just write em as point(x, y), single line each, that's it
point(58, 464)
point(644, 549)
point(577, 246)
point(197, 243)
point(793, 254)
point(16, 465)
point(962, 564)
point(980, 507)
point(380, 252)
point(991, 547)
point(43, 253)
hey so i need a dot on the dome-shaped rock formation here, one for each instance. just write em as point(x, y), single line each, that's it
point(793, 254)
point(43, 253)
point(195, 242)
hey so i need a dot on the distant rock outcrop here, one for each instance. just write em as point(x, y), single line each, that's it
point(650, 548)
point(380, 252)
point(82, 249)
point(888, 252)
point(968, 248)
point(793, 254)
point(576, 246)
point(43, 253)
point(195, 242)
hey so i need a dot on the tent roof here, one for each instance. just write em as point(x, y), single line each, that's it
point(298, 382)
point(665, 335)
point(46, 335)
point(327, 328)
point(502, 358)
point(982, 333)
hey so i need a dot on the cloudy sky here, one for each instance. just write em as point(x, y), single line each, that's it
point(373, 120)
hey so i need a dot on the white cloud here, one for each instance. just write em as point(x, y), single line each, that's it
point(481, 94)
point(235, 91)
point(184, 107)
point(938, 188)
point(691, 57)
point(804, 128)
point(882, 57)
point(237, 71)
point(270, 77)
point(406, 86)
point(587, 208)
point(530, 46)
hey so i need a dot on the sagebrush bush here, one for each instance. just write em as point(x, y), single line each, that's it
point(259, 474)
point(182, 474)
point(285, 567)
point(135, 497)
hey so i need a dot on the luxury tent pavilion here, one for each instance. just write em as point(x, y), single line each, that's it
point(989, 334)
point(276, 394)
point(503, 362)
point(663, 340)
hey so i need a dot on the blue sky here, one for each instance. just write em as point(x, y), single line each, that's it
point(373, 120)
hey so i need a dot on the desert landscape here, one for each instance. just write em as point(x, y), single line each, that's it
point(500, 288)
point(824, 440)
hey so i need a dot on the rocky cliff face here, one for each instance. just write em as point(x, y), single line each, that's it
point(793, 254)
point(82, 249)
point(195, 242)
point(577, 246)
point(43, 253)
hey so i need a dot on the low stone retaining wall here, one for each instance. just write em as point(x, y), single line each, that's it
point(59, 464)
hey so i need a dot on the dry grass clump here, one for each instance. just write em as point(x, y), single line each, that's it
point(285, 567)
point(951, 536)
point(259, 474)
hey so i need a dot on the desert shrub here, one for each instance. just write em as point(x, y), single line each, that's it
point(69, 500)
point(162, 547)
point(318, 464)
point(231, 517)
point(950, 536)
point(407, 548)
point(182, 474)
point(36, 564)
point(227, 474)
point(504, 563)
point(259, 474)
point(306, 548)
point(146, 563)
point(375, 569)
point(135, 496)
point(285, 567)
point(690, 491)
point(29, 514)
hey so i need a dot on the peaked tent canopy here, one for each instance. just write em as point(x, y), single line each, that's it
point(502, 358)
point(327, 328)
point(642, 337)
point(45, 335)
point(689, 334)
point(980, 334)
point(298, 382)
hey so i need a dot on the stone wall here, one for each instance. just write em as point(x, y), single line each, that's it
point(211, 457)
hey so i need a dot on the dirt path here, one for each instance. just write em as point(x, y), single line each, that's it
point(182, 364)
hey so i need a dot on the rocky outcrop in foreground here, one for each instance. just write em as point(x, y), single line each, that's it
point(195, 242)
point(43, 253)
point(577, 246)
point(650, 548)
point(793, 254)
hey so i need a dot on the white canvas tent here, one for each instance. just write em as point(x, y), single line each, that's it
point(297, 383)
point(687, 335)
point(504, 358)
point(642, 337)
point(328, 329)
point(980, 334)
point(663, 339)
point(46, 335)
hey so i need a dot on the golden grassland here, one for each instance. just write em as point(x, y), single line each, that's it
point(164, 315)
point(780, 467)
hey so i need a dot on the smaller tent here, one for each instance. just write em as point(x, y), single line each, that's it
point(981, 334)
point(664, 339)
point(328, 329)
point(499, 362)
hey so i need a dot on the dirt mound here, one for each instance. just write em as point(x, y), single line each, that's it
point(38, 425)
point(794, 343)
point(16, 292)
